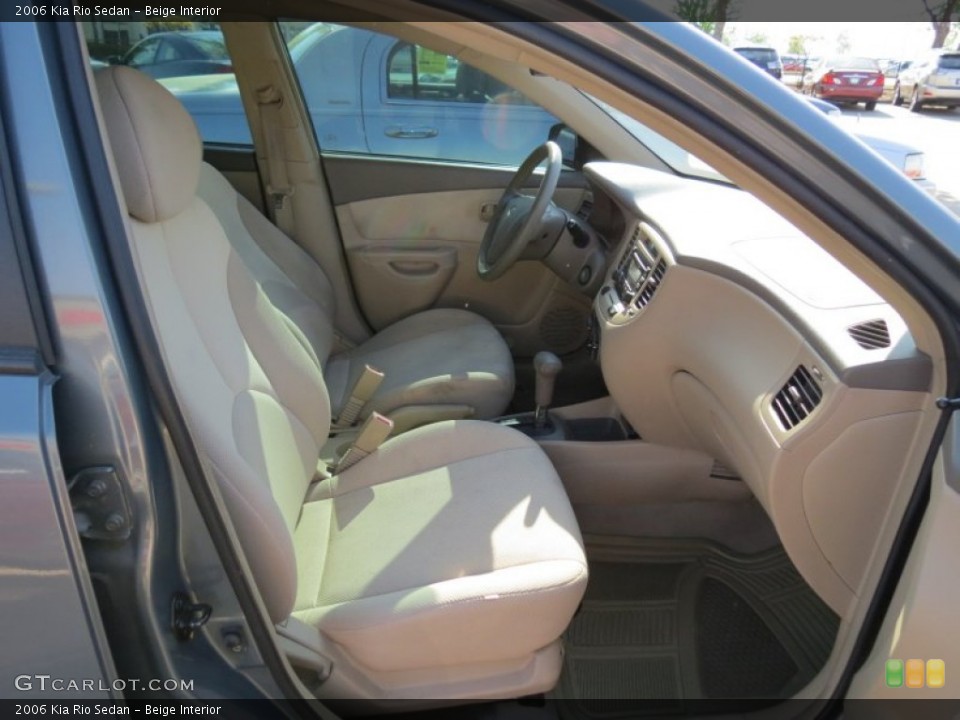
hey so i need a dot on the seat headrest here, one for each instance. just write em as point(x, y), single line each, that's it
point(155, 143)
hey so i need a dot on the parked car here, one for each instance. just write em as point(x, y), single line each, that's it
point(846, 80)
point(177, 54)
point(891, 73)
point(251, 454)
point(933, 79)
point(376, 102)
point(765, 58)
point(906, 158)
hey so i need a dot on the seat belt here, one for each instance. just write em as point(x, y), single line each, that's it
point(375, 430)
point(269, 102)
point(363, 390)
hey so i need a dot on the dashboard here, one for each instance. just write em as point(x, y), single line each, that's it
point(726, 330)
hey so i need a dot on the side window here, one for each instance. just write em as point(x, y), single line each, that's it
point(418, 73)
point(143, 54)
point(190, 60)
point(168, 52)
point(370, 93)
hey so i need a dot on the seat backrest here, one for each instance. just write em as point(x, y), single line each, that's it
point(251, 390)
point(292, 280)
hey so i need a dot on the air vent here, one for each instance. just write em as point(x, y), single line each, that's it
point(650, 287)
point(583, 212)
point(871, 335)
point(797, 398)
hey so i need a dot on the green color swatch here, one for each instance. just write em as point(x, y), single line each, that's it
point(894, 673)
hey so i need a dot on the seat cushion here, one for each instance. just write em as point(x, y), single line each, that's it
point(453, 544)
point(435, 357)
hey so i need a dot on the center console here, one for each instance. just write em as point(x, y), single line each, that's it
point(635, 278)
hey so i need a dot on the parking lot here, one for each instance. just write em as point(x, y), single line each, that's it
point(935, 131)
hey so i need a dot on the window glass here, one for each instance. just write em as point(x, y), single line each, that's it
point(854, 63)
point(950, 62)
point(189, 59)
point(759, 55)
point(681, 161)
point(143, 54)
point(368, 92)
point(167, 52)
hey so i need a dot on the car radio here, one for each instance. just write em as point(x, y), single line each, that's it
point(636, 277)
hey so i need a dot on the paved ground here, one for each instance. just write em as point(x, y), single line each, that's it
point(935, 131)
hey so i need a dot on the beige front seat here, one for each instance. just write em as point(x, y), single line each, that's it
point(439, 364)
point(446, 564)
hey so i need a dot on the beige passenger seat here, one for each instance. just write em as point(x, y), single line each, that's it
point(446, 564)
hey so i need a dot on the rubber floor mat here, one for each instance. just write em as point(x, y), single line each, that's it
point(669, 621)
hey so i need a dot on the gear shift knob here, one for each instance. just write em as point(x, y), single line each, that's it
point(547, 366)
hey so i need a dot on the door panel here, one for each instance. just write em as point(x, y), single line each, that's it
point(392, 243)
point(409, 279)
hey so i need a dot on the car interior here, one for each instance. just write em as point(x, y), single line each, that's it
point(603, 429)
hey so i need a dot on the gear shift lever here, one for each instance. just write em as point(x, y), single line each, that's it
point(547, 366)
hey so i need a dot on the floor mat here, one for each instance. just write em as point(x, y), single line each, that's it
point(670, 621)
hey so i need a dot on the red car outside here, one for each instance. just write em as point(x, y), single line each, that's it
point(846, 80)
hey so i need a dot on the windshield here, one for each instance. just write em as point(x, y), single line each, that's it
point(853, 63)
point(759, 55)
point(679, 160)
point(949, 62)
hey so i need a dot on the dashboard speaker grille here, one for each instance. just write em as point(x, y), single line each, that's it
point(564, 329)
point(871, 335)
point(797, 398)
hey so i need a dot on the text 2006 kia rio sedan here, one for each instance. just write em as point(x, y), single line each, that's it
point(650, 403)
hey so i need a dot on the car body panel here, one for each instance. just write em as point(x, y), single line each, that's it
point(845, 80)
point(934, 78)
point(47, 609)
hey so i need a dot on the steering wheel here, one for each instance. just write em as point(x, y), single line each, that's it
point(518, 218)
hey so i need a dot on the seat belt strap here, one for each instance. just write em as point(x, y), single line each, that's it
point(363, 390)
point(375, 430)
point(279, 190)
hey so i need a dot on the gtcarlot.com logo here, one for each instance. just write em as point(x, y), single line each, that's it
point(47, 683)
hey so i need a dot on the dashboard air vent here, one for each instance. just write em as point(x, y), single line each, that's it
point(871, 335)
point(650, 287)
point(583, 212)
point(797, 398)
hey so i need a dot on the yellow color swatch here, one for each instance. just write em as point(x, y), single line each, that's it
point(936, 673)
point(914, 673)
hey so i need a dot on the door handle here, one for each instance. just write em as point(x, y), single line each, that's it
point(411, 133)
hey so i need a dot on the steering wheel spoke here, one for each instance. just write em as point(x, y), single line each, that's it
point(519, 217)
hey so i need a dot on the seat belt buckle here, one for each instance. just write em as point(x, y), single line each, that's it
point(363, 390)
point(375, 430)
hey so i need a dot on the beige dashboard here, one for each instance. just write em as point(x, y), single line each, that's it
point(725, 330)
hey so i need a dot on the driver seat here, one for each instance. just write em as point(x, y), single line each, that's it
point(440, 364)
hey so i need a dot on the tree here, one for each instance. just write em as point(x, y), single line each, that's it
point(711, 16)
point(940, 14)
point(757, 38)
point(843, 44)
point(953, 39)
point(797, 45)
point(156, 26)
